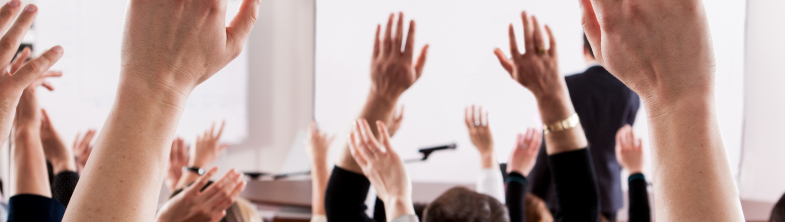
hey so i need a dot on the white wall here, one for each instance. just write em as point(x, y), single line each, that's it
point(762, 174)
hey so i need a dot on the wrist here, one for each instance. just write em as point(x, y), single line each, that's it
point(396, 207)
point(488, 161)
point(555, 107)
point(380, 100)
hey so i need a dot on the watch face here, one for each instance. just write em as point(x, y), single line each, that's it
point(201, 172)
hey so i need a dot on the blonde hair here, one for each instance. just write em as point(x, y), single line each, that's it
point(242, 211)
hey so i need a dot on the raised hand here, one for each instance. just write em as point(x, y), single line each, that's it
point(207, 148)
point(663, 51)
point(392, 70)
point(317, 145)
point(480, 134)
point(56, 152)
point(83, 146)
point(395, 121)
point(629, 150)
point(537, 68)
point(208, 205)
point(383, 167)
point(19, 74)
point(169, 47)
point(178, 158)
point(660, 49)
point(524, 155)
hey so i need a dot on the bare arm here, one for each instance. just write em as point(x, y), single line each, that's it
point(671, 66)
point(124, 172)
point(537, 70)
point(392, 72)
point(317, 146)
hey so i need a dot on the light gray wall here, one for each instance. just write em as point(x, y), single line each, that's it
point(280, 85)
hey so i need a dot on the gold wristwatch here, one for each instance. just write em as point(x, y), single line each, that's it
point(562, 125)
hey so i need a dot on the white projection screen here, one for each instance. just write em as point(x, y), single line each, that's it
point(461, 70)
point(91, 33)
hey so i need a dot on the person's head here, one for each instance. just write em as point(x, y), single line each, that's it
point(462, 204)
point(536, 210)
point(242, 211)
point(588, 53)
point(778, 213)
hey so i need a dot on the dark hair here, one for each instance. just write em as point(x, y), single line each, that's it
point(587, 45)
point(536, 210)
point(778, 213)
point(462, 204)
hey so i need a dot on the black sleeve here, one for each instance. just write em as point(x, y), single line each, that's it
point(632, 108)
point(63, 186)
point(344, 199)
point(29, 207)
point(639, 199)
point(516, 197)
point(576, 186)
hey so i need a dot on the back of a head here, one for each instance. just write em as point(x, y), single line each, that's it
point(462, 204)
point(536, 210)
point(778, 213)
point(242, 211)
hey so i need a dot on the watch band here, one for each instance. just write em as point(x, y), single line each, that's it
point(565, 124)
point(196, 170)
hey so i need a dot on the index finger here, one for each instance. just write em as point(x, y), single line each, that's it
point(408, 51)
point(8, 12)
point(220, 130)
point(20, 60)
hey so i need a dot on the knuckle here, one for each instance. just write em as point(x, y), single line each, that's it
point(7, 43)
point(35, 67)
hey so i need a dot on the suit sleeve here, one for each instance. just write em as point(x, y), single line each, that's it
point(516, 197)
point(344, 199)
point(576, 186)
point(639, 199)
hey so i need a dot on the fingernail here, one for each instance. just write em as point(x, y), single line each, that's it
point(31, 8)
point(14, 3)
point(58, 49)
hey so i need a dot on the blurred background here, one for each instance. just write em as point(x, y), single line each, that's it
point(309, 59)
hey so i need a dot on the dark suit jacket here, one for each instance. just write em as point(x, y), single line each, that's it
point(604, 104)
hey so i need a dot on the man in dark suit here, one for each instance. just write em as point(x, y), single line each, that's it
point(604, 104)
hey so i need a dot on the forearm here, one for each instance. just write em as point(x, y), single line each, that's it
point(131, 155)
point(29, 174)
point(7, 114)
point(688, 156)
point(554, 108)
point(376, 108)
point(319, 178)
point(61, 163)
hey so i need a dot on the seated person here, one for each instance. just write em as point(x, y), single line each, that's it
point(778, 212)
point(629, 153)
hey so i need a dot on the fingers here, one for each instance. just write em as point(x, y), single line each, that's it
point(197, 186)
point(45, 118)
point(513, 44)
point(88, 137)
point(20, 60)
point(399, 117)
point(408, 51)
point(376, 42)
point(551, 41)
point(232, 196)
point(370, 138)
point(421, 62)
point(527, 33)
point(539, 43)
point(474, 116)
point(9, 43)
point(536, 141)
point(527, 139)
point(388, 45)
point(8, 12)
point(33, 69)
point(398, 35)
point(503, 60)
point(222, 186)
point(487, 121)
point(591, 26)
point(385, 137)
point(359, 156)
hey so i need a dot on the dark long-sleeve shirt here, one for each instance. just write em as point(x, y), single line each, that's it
point(63, 186)
point(344, 199)
point(639, 199)
point(516, 197)
point(576, 186)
